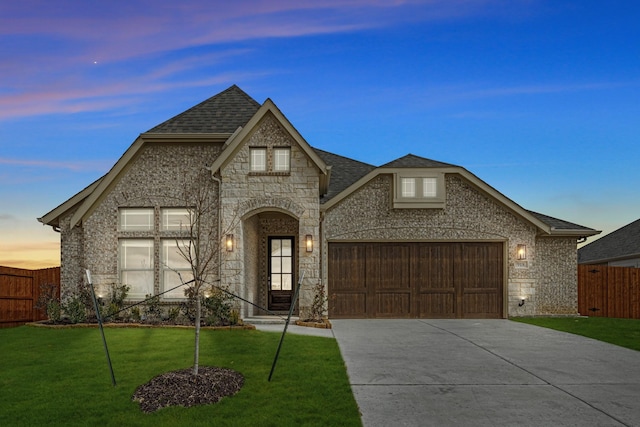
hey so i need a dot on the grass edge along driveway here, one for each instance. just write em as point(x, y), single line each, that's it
point(61, 377)
point(622, 332)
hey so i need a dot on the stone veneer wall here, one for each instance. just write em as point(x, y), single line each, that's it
point(557, 284)
point(245, 194)
point(71, 257)
point(469, 215)
point(156, 179)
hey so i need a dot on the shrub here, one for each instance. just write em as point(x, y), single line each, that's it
point(216, 307)
point(316, 311)
point(49, 301)
point(78, 306)
point(75, 309)
point(151, 310)
point(115, 301)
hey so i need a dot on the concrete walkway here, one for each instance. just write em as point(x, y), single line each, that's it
point(486, 373)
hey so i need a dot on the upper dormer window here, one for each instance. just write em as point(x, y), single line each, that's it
point(258, 159)
point(270, 161)
point(429, 187)
point(408, 187)
point(281, 159)
point(419, 189)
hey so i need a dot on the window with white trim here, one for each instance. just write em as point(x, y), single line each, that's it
point(136, 266)
point(176, 219)
point(419, 189)
point(176, 268)
point(281, 159)
point(408, 187)
point(258, 159)
point(429, 187)
point(136, 219)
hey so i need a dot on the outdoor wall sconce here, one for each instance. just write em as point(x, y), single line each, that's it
point(228, 243)
point(521, 303)
point(521, 252)
point(308, 241)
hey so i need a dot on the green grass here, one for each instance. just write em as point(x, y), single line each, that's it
point(61, 377)
point(622, 332)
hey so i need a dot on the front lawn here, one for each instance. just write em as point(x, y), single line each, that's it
point(622, 332)
point(61, 377)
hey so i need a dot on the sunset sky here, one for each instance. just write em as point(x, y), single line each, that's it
point(539, 98)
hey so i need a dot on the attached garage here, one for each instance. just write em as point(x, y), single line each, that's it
point(416, 280)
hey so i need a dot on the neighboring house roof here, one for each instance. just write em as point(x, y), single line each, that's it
point(620, 244)
point(222, 113)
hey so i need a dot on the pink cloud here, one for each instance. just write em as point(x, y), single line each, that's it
point(80, 166)
point(50, 66)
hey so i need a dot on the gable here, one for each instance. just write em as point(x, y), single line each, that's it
point(270, 115)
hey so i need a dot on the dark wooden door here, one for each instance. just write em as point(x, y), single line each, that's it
point(415, 280)
point(281, 273)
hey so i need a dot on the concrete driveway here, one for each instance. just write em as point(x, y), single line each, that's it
point(486, 373)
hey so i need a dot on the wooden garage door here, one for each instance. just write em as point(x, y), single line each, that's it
point(415, 280)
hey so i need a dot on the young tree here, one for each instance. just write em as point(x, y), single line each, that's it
point(202, 245)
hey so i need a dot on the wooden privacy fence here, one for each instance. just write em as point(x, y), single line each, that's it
point(609, 291)
point(19, 293)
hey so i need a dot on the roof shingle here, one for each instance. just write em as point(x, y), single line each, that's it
point(623, 242)
point(222, 113)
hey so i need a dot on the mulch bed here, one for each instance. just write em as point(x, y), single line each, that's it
point(182, 388)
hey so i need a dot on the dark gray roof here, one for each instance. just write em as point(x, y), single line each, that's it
point(344, 172)
point(624, 242)
point(559, 224)
point(222, 113)
point(413, 161)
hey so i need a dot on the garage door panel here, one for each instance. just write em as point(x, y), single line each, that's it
point(437, 305)
point(481, 305)
point(348, 266)
point(348, 305)
point(432, 266)
point(393, 304)
point(388, 267)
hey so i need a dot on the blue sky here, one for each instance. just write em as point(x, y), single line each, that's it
point(540, 99)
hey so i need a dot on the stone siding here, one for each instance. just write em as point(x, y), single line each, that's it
point(157, 178)
point(293, 194)
point(557, 285)
point(469, 215)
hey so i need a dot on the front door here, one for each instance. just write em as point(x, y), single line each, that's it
point(280, 276)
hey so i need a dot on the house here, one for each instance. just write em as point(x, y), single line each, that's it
point(413, 238)
point(621, 248)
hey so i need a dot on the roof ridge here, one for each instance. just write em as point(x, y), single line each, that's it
point(200, 118)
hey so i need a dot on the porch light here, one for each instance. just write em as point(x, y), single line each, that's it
point(308, 241)
point(521, 252)
point(228, 243)
point(521, 303)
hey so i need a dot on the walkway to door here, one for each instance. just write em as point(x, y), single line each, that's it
point(486, 373)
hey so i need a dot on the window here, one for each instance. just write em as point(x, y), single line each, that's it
point(136, 266)
point(281, 159)
point(136, 219)
point(258, 159)
point(408, 187)
point(419, 189)
point(176, 219)
point(281, 264)
point(429, 187)
point(176, 269)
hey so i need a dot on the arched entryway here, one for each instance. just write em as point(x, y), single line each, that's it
point(271, 248)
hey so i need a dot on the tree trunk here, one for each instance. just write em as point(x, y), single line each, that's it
point(196, 353)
